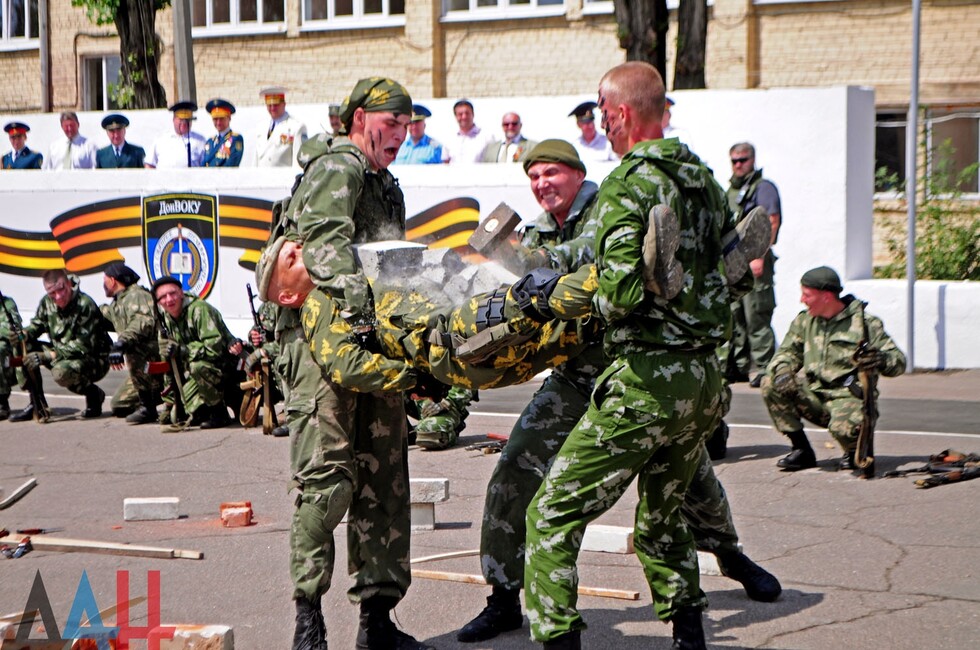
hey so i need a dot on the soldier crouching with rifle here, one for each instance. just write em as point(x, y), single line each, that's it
point(78, 347)
point(197, 349)
point(835, 344)
point(9, 324)
point(262, 388)
point(131, 316)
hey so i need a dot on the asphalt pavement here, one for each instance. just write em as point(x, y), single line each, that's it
point(872, 564)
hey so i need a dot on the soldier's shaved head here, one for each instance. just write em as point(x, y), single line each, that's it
point(638, 85)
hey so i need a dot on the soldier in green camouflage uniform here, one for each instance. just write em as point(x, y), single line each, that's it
point(440, 423)
point(653, 406)
point(131, 316)
point(822, 342)
point(198, 342)
point(349, 449)
point(8, 374)
point(563, 238)
point(78, 344)
point(264, 345)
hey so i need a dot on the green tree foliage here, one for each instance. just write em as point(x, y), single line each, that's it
point(139, 48)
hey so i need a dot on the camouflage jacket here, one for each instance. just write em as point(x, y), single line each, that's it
point(79, 331)
point(572, 244)
point(340, 202)
point(8, 307)
point(823, 348)
point(201, 333)
point(131, 315)
point(637, 321)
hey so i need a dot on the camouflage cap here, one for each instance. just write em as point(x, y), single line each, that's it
point(267, 265)
point(376, 95)
point(554, 151)
point(822, 278)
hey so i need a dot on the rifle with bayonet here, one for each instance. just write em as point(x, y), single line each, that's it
point(31, 377)
point(178, 415)
point(868, 380)
point(258, 389)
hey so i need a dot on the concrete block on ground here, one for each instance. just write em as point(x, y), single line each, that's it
point(425, 493)
point(423, 516)
point(151, 508)
point(608, 539)
point(236, 513)
point(199, 637)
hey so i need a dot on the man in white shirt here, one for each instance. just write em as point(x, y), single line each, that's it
point(671, 131)
point(469, 142)
point(181, 149)
point(277, 145)
point(591, 145)
point(73, 151)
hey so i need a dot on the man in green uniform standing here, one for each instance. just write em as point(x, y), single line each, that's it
point(653, 406)
point(349, 449)
point(753, 341)
point(9, 322)
point(131, 316)
point(198, 345)
point(562, 238)
point(825, 342)
point(78, 344)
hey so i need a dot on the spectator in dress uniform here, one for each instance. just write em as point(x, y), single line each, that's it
point(278, 144)
point(224, 149)
point(418, 148)
point(74, 151)
point(181, 149)
point(20, 156)
point(119, 154)
point(591, 145)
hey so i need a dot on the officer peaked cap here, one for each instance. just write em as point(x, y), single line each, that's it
point(220, 108)
point(584, 111)
point(14, 128)
point(183, 110)
point(114, 121)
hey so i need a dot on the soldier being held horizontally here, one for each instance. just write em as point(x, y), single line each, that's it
point(78, 347)
point(823, 341)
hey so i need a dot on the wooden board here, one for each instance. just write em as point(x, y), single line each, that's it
point(68, 545)
point(600, 592)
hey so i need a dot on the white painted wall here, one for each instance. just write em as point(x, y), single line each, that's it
point(816, 144)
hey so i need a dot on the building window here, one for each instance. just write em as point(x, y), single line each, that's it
point(954, 146)
point(890, 152)
point(353, 14)
point(100, 75)
point(489, 9)
point(18, 23)
point(237, 16)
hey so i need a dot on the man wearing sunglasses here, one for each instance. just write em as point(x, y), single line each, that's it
point(753, 340)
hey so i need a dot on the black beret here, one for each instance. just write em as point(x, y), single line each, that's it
point(822, 278)
point(165, 280)
point(121, 272)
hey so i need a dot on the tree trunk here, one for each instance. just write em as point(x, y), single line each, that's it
point(692, 36)
point(139, 48)
point(642, 31)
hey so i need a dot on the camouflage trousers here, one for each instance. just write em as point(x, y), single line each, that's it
point(208, 384)
point(8, 374)
point(137, 380)
point(542, 427)
point(647, 420)
point(753, 339)
point(836, 409)
point(349, 452)
point(78, 374)
point(440, 429)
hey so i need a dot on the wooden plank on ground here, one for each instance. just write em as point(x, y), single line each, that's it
point(600, 592)
point(68, 545)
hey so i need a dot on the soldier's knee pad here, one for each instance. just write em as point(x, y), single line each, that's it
point(491, 311)
point(319, 509)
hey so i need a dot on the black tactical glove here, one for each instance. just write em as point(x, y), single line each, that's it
point(116, 353)
point(427, 386)
point(869, 359)
point(784, 382)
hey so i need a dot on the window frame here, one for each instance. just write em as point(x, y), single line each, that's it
point(14, 43)
point(532, 10)
point(358, 20)
point(234, 27)
point(108, 104)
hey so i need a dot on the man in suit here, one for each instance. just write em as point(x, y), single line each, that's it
point(278, 144)
point(224, 149)
point(20, 157)
point(119, 154)
point(513, 148)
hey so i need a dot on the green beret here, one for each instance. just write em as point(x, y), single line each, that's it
point(375, 95)
point(822, 278)
point(266, 265)
point(554, 151)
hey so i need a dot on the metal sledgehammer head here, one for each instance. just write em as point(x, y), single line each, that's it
point(494, 229)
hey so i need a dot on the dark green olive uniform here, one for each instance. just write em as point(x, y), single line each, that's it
point(131, 316)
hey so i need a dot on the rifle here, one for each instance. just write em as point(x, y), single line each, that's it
point(260, 384)
point(864, 453)
point(31, 381)
point(177, 414)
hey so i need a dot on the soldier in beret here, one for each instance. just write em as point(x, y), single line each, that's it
point(181, 148)
point(225, 148)
point(20, 156)
point(278, 145)
point(824, 341)
point(119, 154)
point(131, 316)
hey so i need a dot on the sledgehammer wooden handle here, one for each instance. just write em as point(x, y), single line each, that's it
point(479, 580)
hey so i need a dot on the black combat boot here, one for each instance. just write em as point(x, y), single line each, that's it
point(802, 456)
point(282, 431)
point(94, 396)
point(377, 632)
point(502, 614)
point(147, 411)
point(759, 584)
point(311, 630)
point(847, 462)
point(23, 416)
point(688, 629)
point(218, 417)
point(4, 407)
point(568, 641)
point(717, 442)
